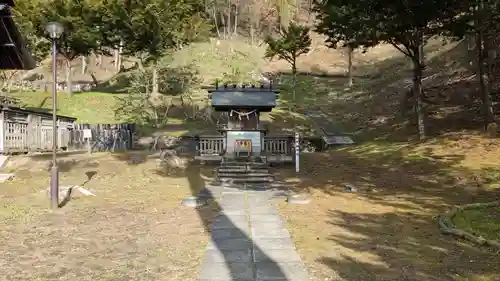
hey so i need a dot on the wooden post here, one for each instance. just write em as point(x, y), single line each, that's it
point(87, 134)
point(29, 131)
point(3, 122)
point(297, 150)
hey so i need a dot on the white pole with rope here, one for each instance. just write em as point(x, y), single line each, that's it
point(297, 150)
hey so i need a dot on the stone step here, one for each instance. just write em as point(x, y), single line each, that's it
point(242, 170)
point(248, 180)
point(237, 163)
point(244, 167)
point(242, 175)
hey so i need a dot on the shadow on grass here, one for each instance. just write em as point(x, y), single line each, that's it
point(65, 160)
point(387, 229)
point(401, 247)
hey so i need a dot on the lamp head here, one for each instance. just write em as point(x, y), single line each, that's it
point(54, 30)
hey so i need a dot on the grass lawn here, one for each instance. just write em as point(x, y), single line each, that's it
point(88, 107)
point(483, 222)
point(133, 229)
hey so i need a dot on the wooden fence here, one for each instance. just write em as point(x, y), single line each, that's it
point(210, 145)
point(278, 145)
point(104, 137)
point(25, 131)
point(274, 147)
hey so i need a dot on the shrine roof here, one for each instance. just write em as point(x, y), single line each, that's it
point(228, 97)
point(13, 51)
point(244, 99)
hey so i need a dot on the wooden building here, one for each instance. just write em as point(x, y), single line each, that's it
point(23, 130)
point(244, 135)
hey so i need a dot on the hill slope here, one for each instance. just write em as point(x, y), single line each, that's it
point(232, 60)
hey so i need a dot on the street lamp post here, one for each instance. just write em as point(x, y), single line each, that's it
point(54, 30)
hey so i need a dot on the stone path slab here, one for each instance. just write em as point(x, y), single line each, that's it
point(272, 218)
point(270, 271)
point(3, 160)
point(263, 211)
point(230, 233)
point(5, 177)
point(282, 255)
point(230, 256)
point(271, 243)
point(230, 244)
point(224, 271)
point(250, 243)
point(271, 232)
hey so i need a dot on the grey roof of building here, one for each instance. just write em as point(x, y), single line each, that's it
point(243, 99)
point(13, 51)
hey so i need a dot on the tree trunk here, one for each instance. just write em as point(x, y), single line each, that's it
point(417, 88)
point(155, 79)
point(7, 81)
point(350, 52)
point(296, 15)
point(484, 79)
point(283, 15)
point(279, 21)
point(229, 18)
point(120, 52)
point(294, 78)
point(310, 11)
point(115, 63)
point(216, 22)
point(140, 65)
point(99, 59)
point(236, 22)
point(224, 26)
point(252, 34)
point(94, 79)
point(84, 65)
point(69, 77)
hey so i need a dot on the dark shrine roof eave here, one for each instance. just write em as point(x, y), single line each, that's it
point(230, 88)
point(7, 2)
point(245, 90)
point(229, 108)
point(14, 54)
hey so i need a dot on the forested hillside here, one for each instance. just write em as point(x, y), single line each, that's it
point(108, 44)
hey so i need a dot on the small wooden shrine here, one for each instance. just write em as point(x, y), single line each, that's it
point(243, 135)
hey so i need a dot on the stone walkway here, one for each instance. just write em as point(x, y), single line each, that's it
point(250, 243)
